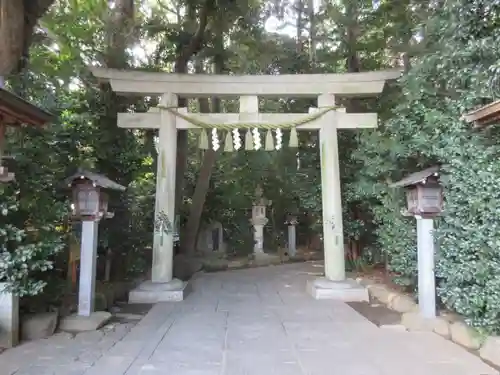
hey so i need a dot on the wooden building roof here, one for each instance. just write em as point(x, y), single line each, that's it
point(15, 111)
point(485, 115)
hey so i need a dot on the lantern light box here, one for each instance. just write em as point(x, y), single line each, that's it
point(424, 194)
point(90, 200)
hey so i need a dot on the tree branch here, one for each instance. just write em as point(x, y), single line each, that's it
point(33, 11)
point(196, 42)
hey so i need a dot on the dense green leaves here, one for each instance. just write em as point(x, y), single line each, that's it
point(425, 127)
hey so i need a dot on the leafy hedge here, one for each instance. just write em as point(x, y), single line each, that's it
point(24, 253)
point(457, 73)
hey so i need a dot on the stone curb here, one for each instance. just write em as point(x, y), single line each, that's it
point(448, 325)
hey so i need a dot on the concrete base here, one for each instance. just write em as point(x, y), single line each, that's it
point(78, 323)
point(149, 292)
point(347, 290)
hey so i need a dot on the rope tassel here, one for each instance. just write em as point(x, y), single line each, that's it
point(215, 140)
point(203, 140)
point(228, 144)
point(294, 139)
point(248, 140)
point(236, 139)
point(269, 146)
point(256, 139)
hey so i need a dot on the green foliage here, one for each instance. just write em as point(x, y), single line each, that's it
point(450, 78)
point(26, 252)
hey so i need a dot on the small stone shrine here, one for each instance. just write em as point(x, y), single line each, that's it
point(211, 238)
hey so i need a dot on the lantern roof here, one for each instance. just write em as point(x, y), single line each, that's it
point(417, 177)
point(97, 179)
point(15, 111)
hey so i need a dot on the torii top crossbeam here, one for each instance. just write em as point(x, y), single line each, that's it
point(199, 85)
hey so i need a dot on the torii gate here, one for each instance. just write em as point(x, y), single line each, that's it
point(323, 86)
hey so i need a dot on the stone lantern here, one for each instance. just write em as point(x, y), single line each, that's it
point(424, 199)
point(89, 205)
point(90, 200)
point(259, 220)
point(424, 193)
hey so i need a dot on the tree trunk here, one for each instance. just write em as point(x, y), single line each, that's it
point(186, 52)
point(109, 159)
point(208, 162)
point(299, 8)
point(351, 37)
point(11, 35)
point(17, 21)
point(312, 34)
point(353, 65)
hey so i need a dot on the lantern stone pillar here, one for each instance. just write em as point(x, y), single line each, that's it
point(88, 262)
point(426, 276)
point(292, 235)
point(86, 318)
point(162, 287)
point(334, 284)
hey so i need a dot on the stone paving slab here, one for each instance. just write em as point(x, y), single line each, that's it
point(258, 321)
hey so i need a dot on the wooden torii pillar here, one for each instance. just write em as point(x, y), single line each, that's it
point(248, 88)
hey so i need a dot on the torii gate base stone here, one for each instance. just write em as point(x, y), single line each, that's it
point(325, 87)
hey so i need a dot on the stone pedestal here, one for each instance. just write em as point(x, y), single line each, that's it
point(9, 318)
point(347, 290)
point(150, 292)
point(258, 236)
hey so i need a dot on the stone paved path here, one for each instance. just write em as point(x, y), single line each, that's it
point(248, 322)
